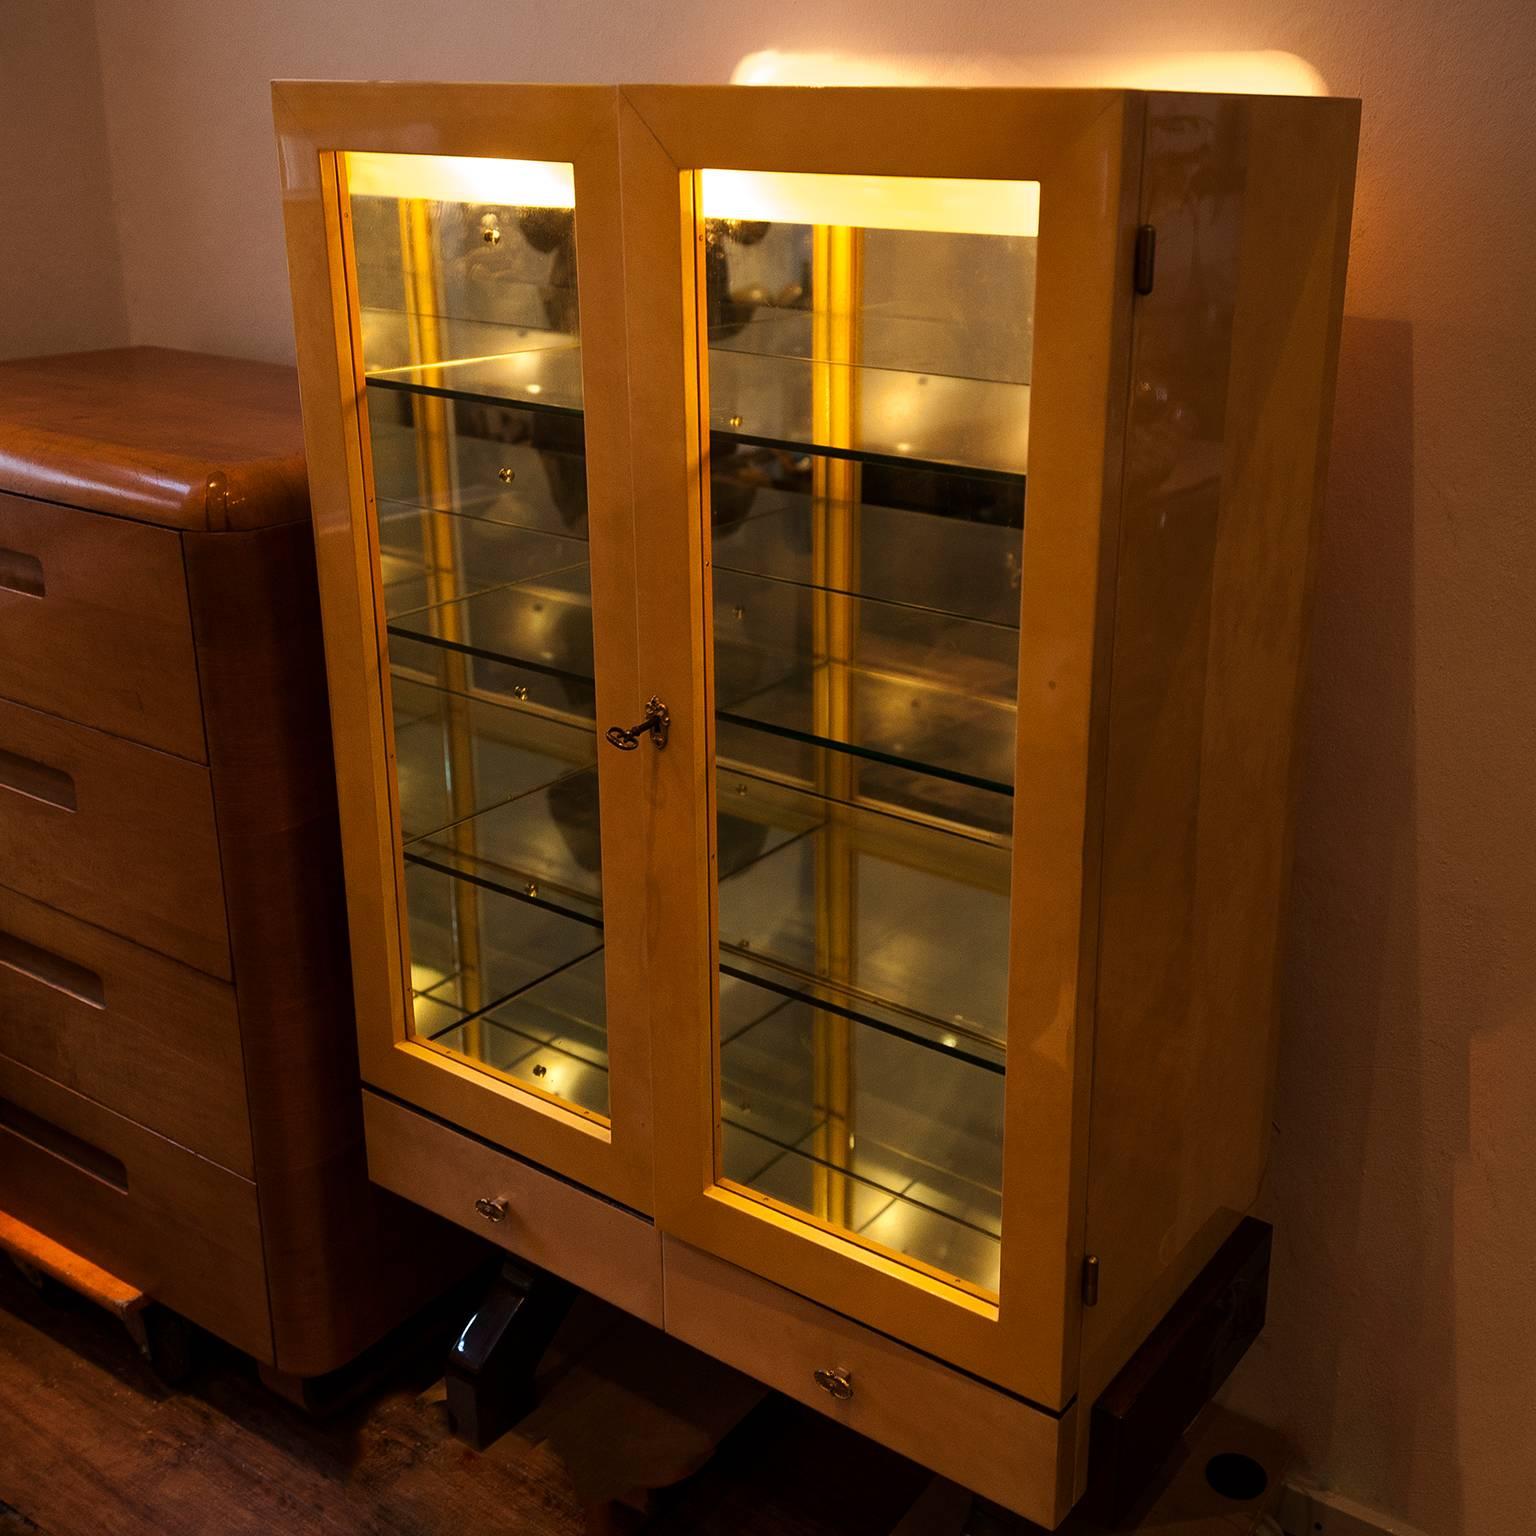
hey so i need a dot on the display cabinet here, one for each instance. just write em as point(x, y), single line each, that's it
point(815, 589)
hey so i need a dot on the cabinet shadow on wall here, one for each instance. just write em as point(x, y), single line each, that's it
point(1359, 1359)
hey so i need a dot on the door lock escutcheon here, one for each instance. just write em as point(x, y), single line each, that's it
point(657, 722)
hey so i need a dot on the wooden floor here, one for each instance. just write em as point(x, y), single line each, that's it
point(92, 1444)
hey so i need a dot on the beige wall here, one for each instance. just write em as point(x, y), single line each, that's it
point(61, 284)
point(1402, 1347)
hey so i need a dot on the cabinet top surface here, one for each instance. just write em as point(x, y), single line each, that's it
point(181, 439)
point(308, 94)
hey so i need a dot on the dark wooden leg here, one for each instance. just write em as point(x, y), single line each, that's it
point(167, 1340)
point(491, 1366)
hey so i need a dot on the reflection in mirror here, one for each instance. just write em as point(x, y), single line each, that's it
point(868, 366)
point(465, 272)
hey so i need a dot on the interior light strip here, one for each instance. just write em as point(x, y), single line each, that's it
point(938, 204)
point(462, 179)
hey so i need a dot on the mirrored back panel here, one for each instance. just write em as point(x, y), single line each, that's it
point(869, 344)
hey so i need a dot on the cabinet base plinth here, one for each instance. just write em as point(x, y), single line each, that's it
point(1139, 1419)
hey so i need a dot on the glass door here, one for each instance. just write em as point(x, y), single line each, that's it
point(869, 344)
point(468, 301)
point(484, 318)
point(897, 363)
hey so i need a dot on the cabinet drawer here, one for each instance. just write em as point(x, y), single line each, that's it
point(147, 1210)
point(146, 1036)
point(94, 624)
point(602, 1247)
point(997, 1445)
point(114, 833)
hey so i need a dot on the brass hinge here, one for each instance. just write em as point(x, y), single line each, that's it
point(1144, 264)
point(1090, 1280)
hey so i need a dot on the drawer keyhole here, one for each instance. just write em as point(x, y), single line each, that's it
point(836, 1383)
point(491, 1209)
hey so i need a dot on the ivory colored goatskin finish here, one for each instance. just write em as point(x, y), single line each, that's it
point(1177, 444)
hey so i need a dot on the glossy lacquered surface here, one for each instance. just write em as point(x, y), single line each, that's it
point(497, 958)
point(975, 609)
point(94, 623)
point(1078, 147)
point(113, 832)
point(176, 438)
point(179, 1227)
point(120, 1024)
point(172, 958)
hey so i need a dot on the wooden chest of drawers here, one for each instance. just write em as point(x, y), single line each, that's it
point(178, 1080)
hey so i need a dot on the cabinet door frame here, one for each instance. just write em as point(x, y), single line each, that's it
point(1083, 147)
point(317, 123)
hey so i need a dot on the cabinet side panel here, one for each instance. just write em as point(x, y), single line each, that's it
point(1231, 397)
point(1279, 423)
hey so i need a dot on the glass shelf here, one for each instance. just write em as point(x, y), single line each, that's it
point(973, 424)
point(535, 371)
point(924, 903)
point(504, 749)
point(766, 627)
point(945, 562)
point(434, 554)
point(933, 421)
point(924, 346)
point(519, 942)
point(538, 631)
point(552, 1034)
point(930, 750)
point(539, 847)
point(504, 464)
point(533, 999)
point(923, 1181)
point(922, 690)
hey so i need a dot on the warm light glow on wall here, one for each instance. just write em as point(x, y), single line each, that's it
point(1260, 73)
point(462, 179)
point(939, 204)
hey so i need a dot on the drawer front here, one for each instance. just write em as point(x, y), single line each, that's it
point(148, 1211)
point(114, 833)
point(983, 1439)
point(143, 1035)
point(94, 624)
point(595, 1244)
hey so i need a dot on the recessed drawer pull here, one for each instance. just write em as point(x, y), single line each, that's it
point(51, 970)
point(62, 1144)
point(37, 781)
point(21, 573)
point(835, 1383)
point(492, 1209)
